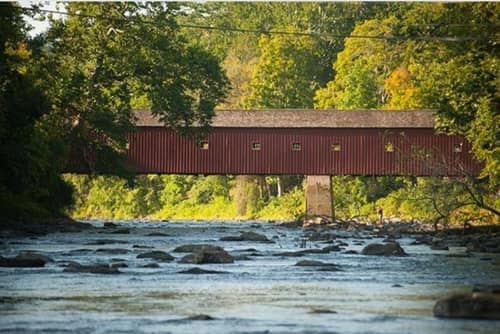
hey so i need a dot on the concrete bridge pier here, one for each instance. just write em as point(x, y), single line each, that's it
point(318, 191)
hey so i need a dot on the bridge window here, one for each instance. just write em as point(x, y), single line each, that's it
point(296, 147)
point(204, 145)
point(335, 147)
point(256, 146)
point(389, 147)
point(457, 148)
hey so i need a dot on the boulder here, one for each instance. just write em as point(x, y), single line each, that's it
point(388, 249)
point(110, 225)
point(191, 248)
point(473, 306)
point(208, 255)
point(156, 255)
point(200, 271)
point(151, 265)
point(74, 267)
point(24, 260)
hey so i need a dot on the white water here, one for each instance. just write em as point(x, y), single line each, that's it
point(266, 294)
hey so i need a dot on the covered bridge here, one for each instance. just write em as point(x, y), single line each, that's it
point(306, 142)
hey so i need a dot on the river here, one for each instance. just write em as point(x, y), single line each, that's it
point(260, 294)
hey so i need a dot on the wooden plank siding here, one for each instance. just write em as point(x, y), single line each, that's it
point(416, 152)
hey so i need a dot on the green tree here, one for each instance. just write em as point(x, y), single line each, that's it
point(102, 55)
point(31, 156)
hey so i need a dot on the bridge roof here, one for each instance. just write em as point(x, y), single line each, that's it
point(309, 118)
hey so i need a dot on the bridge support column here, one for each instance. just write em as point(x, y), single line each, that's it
point(318, 191)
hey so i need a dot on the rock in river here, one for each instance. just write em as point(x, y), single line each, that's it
point(106, 242)
point(473, 305)
point(208, 255)
point(112, 251)
point(321, 266)
point(199, 317)
point(74, 267)
point(310, 263)
point(248, 236)
point(200, 271)
point(190, 248)
point(156, 255)
point(388, 249)
point(24, 260)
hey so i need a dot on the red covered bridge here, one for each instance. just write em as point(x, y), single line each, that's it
point(306, 142)
point(316, 143)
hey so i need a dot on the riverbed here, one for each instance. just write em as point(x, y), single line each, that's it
point(261, 292)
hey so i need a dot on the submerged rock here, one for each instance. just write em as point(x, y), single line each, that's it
point(439, 246)
point(24, 260)
point(110, 225)
point(303, 252)
point(472, 305)
point(156, 255)
point(486, 288)
point(101, 242)
point(121, 231)
point(321, 311)
point(157, 234)
point(200, 271)
point(142, 246)
point(74, 267)
point(112, 251)
point(310, 263)
point(248, 236)
point(208, 255)
point(320, 266)
point(191, 248)
point(332, 248)
point(388, 249)
point(151, 265)
point(199, 317)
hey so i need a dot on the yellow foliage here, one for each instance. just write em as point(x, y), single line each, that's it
point(399, 87)
point(20, 54)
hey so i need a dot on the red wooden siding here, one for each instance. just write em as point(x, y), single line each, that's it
point(160, 150)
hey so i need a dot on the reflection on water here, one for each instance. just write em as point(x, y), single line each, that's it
point(262, 293)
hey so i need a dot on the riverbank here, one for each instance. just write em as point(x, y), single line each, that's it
point(10, 228)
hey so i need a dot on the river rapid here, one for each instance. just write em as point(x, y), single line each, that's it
point(260, 293)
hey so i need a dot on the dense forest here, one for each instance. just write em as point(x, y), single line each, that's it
point(86, 74)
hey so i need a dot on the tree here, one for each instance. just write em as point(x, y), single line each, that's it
point(29, 181)
point(102, 55)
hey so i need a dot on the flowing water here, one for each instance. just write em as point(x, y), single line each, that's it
point(262, 294)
